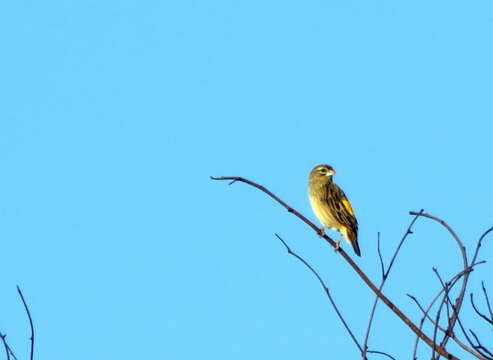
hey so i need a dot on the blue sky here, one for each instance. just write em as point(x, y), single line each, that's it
point(115, 114)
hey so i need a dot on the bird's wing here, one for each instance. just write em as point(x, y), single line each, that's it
point(341, 207)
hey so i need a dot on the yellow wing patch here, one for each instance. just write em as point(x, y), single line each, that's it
point(348, 207)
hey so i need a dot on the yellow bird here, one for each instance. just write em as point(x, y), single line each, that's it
point(331, 206)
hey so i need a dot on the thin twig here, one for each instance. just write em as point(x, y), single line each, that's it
point(453, 337)
point(381, 353)
point(5, 345)
point(441, 350)
point(478, 312)
point(382, 266)
point(487, 299)
point(326, 289)
point(480, 243)
point(479, 346)
point(385, 275)
point(425, 313)
point(30, 321)
point(8, 349)
point(452, 283)
point(445, 286)
point(460, 298)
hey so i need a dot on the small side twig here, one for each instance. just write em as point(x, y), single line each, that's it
point(480, 346)
point(478, 312)
point(380, 258)
point(480, 243)
point(8, 349)
point(5, 345)
point(487, 299)
point(425, 312)
point(381, 353)
point(30, 321)
point(445, 300)
point(452, 283)
point(453, 337)
point(326, 289)
point(452, 319)
point(385, 274)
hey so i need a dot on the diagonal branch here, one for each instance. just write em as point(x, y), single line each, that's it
point(440, 349)
point(326, 289)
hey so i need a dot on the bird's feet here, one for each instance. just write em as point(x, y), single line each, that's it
point(321, 232)
point(338, 242)
point(336, 248)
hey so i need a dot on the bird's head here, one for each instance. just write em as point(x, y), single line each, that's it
point(322, 173)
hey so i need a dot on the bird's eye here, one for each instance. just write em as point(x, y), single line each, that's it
point(323, 171)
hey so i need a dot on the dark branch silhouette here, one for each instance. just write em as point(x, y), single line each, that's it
point(451, 308)
point(458, 302)
point(385, 275)
point(487, 300)
point(326, 289)
point(489, 320)
point(442, 351)
point(381, 353)
point(30, 321)
point(8, 349)
point(453, 281)
point(480, 347)
point(453, 337)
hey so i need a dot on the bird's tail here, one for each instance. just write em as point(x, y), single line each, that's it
point(352, 238)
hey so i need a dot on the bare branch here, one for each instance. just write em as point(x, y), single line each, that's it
point(425, 313)
point(453, 337)
point(8, 349)
point(441, 350)
point(385, 275)
point(382, 266)
point(5, 345)
point(381, 353)
point(478, 312)
point(460, 298)
point(480, 347)
point(30, 321)
point(326, 289)
point(445, 287)
point(452, 283)
point(479, 350)
point(487, 300)
point(480, 243)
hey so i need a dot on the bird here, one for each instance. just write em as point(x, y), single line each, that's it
point(331, 206)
